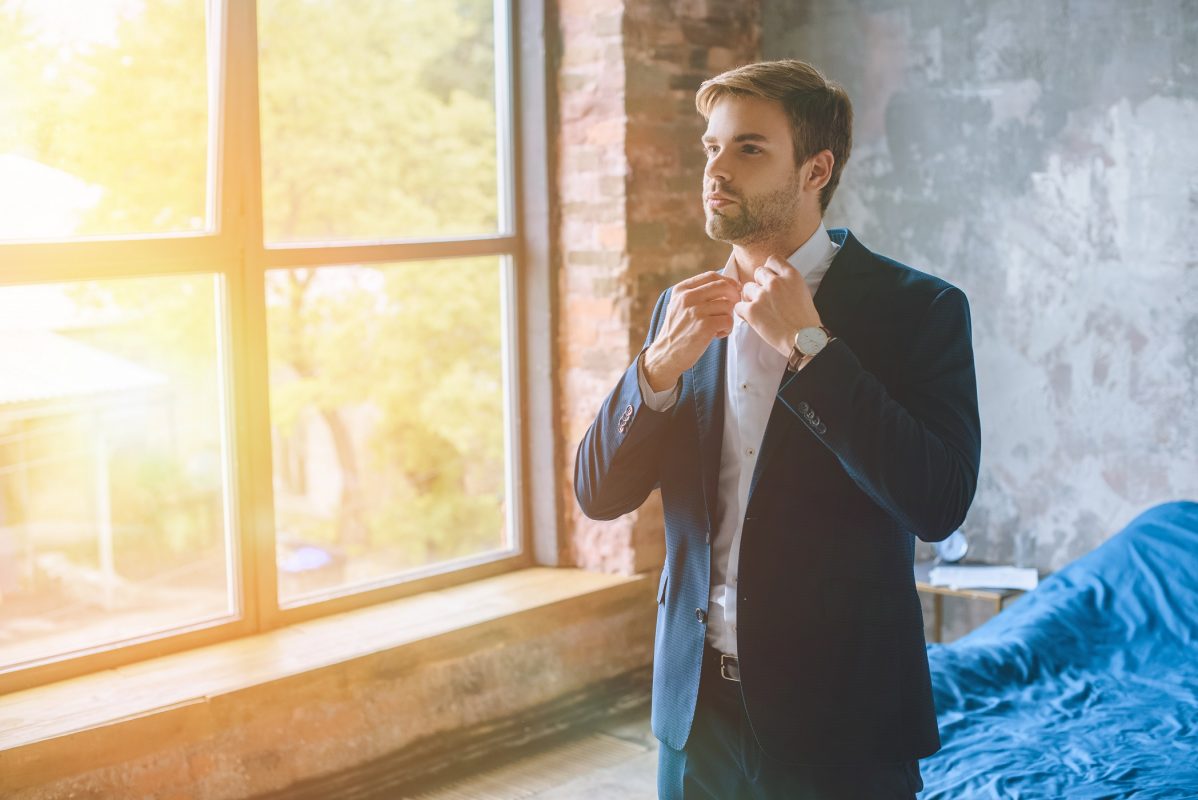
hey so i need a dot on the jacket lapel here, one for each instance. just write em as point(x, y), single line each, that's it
point(707, 378)
point(837, 300)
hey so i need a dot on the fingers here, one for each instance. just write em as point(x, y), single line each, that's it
point(718, 313)
point(718, 299)
point(703, 278)
point(710, 297)
point(697, 280)
point(718, 308)
point(724, 287)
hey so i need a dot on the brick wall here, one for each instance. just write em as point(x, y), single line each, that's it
point(629, 170)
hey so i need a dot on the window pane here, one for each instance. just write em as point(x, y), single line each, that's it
point(387, 403)
point(103, 117)
point(378, 119)
point(112, 481)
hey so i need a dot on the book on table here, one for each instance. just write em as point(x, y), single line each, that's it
point(983, 576)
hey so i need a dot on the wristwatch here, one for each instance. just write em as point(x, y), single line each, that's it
point(808, 342)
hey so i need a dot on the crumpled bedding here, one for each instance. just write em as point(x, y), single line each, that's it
point(1085, 688)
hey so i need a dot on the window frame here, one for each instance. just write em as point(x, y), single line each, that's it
point(234, 249)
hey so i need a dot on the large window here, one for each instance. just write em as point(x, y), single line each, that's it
point(258, 317)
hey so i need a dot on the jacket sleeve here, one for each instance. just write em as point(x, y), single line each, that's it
point(917, 460)
point(619, 459)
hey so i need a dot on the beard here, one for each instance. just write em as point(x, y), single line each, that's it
point(755, 218)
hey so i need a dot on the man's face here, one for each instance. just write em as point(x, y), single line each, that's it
point(751, 185)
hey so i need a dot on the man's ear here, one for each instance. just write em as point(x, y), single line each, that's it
point(818, 170)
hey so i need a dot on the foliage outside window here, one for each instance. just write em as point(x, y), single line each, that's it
point(346, 309)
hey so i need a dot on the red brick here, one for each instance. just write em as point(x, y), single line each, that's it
point(631, 223)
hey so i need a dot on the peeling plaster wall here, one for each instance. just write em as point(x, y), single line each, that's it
point(1043, 156)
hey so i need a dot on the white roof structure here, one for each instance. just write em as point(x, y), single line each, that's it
point(40, 366)
point(40, 202)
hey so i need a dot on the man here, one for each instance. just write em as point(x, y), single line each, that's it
point(807, 412)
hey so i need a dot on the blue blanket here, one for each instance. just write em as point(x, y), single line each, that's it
point(1086, 687)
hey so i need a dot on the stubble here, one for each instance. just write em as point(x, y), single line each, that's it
point(756, 218)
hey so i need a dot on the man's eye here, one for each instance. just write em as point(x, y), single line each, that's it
point(751, 150)
point(710, 149)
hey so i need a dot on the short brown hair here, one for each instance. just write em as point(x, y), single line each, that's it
point(821, 116)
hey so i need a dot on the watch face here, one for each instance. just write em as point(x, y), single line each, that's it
point(811, 340)
point(953, 548)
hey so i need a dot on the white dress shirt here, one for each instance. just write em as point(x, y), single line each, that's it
point(753, 373)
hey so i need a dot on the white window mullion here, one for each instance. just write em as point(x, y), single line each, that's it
point(504, 116)
point(375, 252)
point(97, 259)
point(240, 195)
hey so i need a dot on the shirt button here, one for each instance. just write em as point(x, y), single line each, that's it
point(749, 451)
point(700, 615)
point(745, 386)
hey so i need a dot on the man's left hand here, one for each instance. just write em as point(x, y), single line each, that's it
point(777, 304)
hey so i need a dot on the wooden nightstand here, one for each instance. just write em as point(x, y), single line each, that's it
point(998, 597)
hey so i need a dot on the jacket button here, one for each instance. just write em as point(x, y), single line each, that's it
point(804, 407)
point(701, 615)
point(822, 429)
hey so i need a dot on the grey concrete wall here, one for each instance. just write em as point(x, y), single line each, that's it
point(1043, 156)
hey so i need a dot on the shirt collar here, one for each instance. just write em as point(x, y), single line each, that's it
point(813, 253)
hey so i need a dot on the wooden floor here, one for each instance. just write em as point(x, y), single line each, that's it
point(613, 760)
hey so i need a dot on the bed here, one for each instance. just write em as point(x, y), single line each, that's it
point(1086, 687)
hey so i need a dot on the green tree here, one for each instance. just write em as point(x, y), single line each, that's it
point(345, 157)
point(377, 120)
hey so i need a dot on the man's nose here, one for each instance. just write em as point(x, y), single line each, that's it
point(717, 169)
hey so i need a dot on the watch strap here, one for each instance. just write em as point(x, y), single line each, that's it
point(796, 355)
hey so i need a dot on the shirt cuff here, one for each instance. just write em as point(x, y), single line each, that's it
point(657, 401)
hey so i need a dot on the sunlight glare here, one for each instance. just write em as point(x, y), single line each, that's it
point(76, 24)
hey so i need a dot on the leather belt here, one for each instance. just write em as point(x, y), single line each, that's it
point(728, 665)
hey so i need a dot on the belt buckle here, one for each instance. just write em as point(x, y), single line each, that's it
point(729, 661)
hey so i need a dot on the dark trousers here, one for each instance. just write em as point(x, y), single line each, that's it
point(722, 760)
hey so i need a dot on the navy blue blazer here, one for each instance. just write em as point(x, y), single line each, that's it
point(874, 442)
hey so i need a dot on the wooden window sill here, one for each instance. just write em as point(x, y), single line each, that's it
point(159, 698)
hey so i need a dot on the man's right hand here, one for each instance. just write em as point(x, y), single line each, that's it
point(700, 309)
